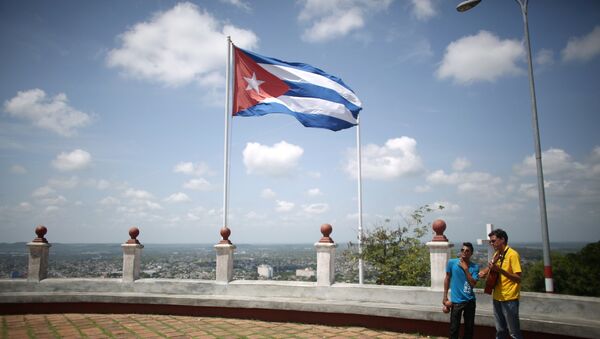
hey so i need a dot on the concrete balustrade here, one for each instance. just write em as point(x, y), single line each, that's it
point(39, 250)
point(399, 308)
point(325, 257)
point(132, 256)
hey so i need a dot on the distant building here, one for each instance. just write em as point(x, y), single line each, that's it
point(265, 271)
point(307, 273)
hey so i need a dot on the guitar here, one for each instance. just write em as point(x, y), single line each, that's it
point(492, 278)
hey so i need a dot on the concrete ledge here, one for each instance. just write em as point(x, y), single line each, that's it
point(400, 308)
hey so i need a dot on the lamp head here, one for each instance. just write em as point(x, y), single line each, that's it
point(467, 5)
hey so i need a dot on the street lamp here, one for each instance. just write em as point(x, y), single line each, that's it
point(465, 6)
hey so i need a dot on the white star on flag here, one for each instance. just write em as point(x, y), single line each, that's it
point(254, 83)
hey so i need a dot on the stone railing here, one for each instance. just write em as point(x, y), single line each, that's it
point(400, 308)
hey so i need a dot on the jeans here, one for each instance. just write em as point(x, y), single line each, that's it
point(468, 308)
point(506, 316)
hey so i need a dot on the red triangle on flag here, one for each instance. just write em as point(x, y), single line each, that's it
point(252, 83)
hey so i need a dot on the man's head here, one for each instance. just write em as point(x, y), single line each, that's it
point(498, 238)
point(466, 250)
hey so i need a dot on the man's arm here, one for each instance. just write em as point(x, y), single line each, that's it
point(465, 268)
point(516, 277)
point(446, 287)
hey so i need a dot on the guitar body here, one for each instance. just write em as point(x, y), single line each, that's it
point(492, 278)
point(490, 282)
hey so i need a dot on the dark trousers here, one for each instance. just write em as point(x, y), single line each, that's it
point(468, 308)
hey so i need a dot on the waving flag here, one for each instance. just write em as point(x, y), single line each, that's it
point(264, 85)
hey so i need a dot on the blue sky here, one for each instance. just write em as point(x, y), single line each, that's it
point(112, 115)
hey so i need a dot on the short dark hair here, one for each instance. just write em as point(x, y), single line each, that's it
point(499, 233)
point(469, 245)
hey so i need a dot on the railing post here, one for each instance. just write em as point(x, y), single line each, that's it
point(439, 253)
point(39, 249)
point(224, 251)
point(132, 255)
point(325, 257)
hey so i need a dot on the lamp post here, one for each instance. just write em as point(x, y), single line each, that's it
point(465, 6)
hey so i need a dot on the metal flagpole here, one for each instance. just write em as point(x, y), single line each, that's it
point(358, 155)
point(226, 150)
point(549, 282)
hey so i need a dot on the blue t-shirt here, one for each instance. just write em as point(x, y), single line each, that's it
point(460, 289)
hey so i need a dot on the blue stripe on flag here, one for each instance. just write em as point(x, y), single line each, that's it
point(308, 120)
point(313, 91)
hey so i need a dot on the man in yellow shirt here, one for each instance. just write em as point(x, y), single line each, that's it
point(508, 287)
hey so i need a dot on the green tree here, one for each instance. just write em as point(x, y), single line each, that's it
point(573, 273)
point(396, 255)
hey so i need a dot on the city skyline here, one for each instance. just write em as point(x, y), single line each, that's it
point(112, 116)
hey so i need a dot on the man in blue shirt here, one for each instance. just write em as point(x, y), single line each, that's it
point(461, 277)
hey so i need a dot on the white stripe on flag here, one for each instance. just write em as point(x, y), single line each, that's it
point(315, 106)
point(296, 75)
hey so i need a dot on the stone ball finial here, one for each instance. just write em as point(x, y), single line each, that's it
point(133, 234)
point(225, 233)
point(439, 226)
point(326, 231)
point(41, 231)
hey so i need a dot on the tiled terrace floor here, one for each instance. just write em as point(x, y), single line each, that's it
point(165, 326)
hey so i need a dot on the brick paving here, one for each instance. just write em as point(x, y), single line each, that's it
point(166, 326)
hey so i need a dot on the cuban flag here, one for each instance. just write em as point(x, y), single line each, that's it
point(264, 85)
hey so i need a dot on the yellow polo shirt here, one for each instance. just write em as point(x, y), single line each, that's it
point(507, 289)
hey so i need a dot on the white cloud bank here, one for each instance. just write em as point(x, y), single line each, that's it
point(53, 114)
point(423, 10)
point(177, 47)
point(584, 48)
point(398, 157)
point(329, 20)
point(481, 57)
point(76, 160)
point(277, 160)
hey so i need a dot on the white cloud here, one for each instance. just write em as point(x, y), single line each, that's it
point(460, 164)
point(423, 9)
point(583, 48)
point(189, 168)
point(317, 175)
point(480, 57)
point(544, 57)
point(255, 216)
point(277, 160)
point(138, 194)
point(177, 197)
point(319, 208)
point(467, 182)
point(177, 47)
point(329, 20)
point(313, 192)
point(53, 114)
point(553, 161)
point(268, 193)
point(199, 184)
point(42, 191)
point(239, 4)
point(64, 183)
point(109, 201)
point(18, 169)
point(284, 206)
point(76, 160)
point(53, 201)
point(398, 157)
point(423, 189)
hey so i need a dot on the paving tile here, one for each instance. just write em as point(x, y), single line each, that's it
point(73, 325)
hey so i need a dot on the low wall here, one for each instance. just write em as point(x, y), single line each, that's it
point(400, 308)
